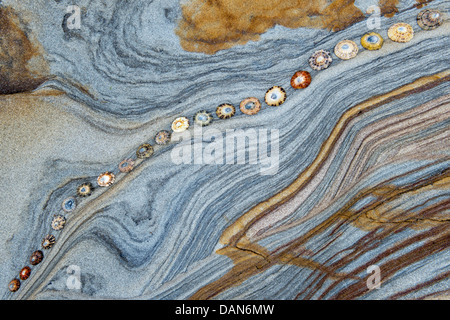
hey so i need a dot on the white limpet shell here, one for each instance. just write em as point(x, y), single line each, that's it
point(275, 96)
point(106, 179)
point(346, 49)
point(180, 124)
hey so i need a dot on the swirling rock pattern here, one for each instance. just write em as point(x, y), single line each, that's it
point(363, 174)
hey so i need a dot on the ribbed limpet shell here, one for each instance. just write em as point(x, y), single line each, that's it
point(346, 49)
point(145, 150)
point(429, 19)
point(401, 32)
point(301, 80)
point(58, 222)
point(203, 118)
point(225, 111)
point(48, 241)
point(162, 137)
point(275, 96)
point(85, 189)
point(320, 60)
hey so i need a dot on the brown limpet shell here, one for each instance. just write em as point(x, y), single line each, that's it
point(301, 79)
point(36, 257)
point(25, 273)
point(162, 137)
point(144, 151)
point(225, 111)
point(429, 19)
point(48, 241)
point(14, 285)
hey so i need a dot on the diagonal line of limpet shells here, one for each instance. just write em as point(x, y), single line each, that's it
point(428, 19)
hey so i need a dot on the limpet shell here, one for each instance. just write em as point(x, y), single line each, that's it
point(250, 106)
point(401, 32)
point(320, 60)
point(106, 179)
point(25, 273)
point(48, 241)
point(69, 204)
point(14, 285)
point(225, 111)
point(85, 189)
point(429, 19)
point(36, 257)
point(203, 118)
point(372, 41)
point(275, 96)
point(301, 80)
point(180, 124)
point(162, 137)
point(58, 222)
point(126, 165)
point(346, 49)
point(145, 150)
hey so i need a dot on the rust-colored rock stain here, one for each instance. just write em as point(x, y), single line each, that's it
point(209, 26)
point(22, 66)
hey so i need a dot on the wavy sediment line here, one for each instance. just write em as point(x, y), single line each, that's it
point(235, 231)
point(250, 258)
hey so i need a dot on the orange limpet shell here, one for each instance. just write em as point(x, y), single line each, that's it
point(14, 285)
point(250, 106)
point(25, 273)
point(301, 80)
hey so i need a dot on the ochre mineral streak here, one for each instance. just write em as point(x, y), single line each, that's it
point(209, 26)
point(22, 66)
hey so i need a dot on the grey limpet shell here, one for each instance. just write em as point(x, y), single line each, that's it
point(429, 19)
point(320, 60)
